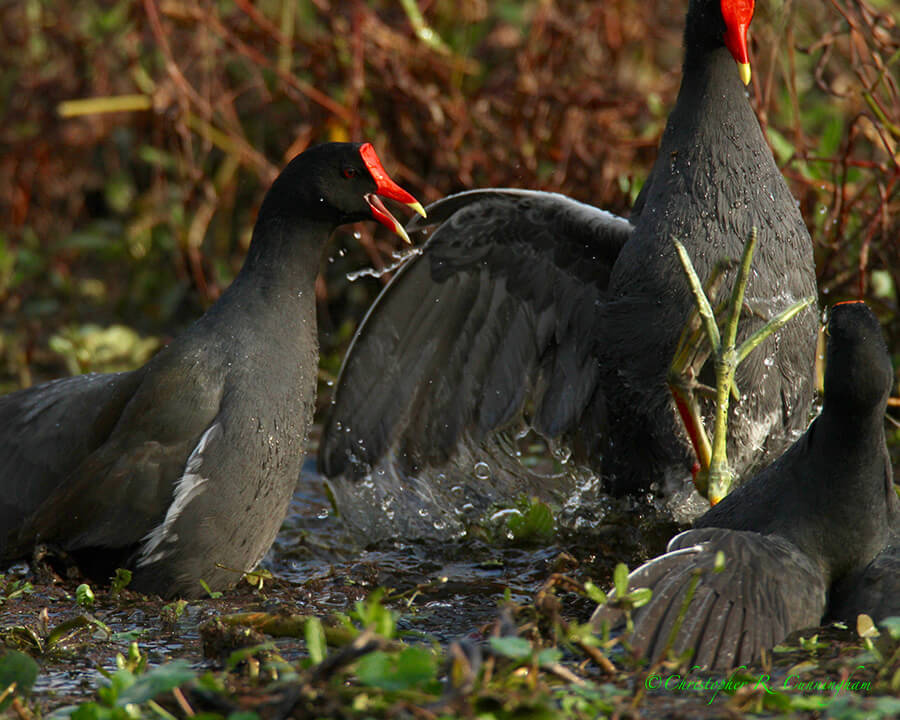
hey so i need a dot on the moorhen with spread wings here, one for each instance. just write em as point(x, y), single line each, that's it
point(529, 309)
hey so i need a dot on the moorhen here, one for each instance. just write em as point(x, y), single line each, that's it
point(528, 309)
point(805, 539)
point(182, 470)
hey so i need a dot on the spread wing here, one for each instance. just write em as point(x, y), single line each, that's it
point(490, 326)
point(758, 591)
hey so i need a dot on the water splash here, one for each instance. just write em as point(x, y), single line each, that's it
point(378, 273)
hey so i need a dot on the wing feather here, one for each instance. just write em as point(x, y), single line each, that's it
point(497, 315)
point(766, 590)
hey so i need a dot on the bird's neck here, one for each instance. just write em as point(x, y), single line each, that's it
point(712, 158)
point(712, 108)
point(714, 179)
point(855, 467)
point(285, 255)
point(854, 441)
point(276, 285)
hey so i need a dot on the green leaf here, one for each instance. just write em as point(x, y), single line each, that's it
point(515, 648)
point(156, 681)
point(535, 523)
point(84, 596)
point(595, 593)
point(18, 668)
point(316, 645)
point(549, 656)
point(87, 711)
point(14, 588)
point(410, 668)
point(119, 581)
point(640, 596)
point(214, 595)
point(371, 613)
point(173, 610)
point(128, 635)
point(119, 192)
point(238, 656)
point(782, 147)
point(865, 627)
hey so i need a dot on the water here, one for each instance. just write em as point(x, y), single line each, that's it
point(401, 258)
point(458, 580)
point(446, 579)
point(416, 526)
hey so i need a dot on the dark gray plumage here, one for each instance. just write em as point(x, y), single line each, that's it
point(532, 310)
point(182, 470)
point(445, 348)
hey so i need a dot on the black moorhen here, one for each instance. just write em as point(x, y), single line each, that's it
point(528, 308)
point(874, 590)
point(805, 539)
point(182, 470)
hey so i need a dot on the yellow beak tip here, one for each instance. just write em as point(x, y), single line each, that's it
point(401, 231)
point(745, 72)
point(417, 206)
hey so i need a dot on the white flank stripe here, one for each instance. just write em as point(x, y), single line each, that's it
point(189, 485)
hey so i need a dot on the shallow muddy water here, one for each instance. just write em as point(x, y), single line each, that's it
point(443, 588)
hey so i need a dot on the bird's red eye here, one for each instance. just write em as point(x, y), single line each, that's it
point(349, 172)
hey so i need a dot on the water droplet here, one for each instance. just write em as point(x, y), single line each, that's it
point(560, 451)
point(506, 512)
point(482, 470)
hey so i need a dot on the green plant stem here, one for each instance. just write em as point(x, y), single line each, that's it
point(98, 105)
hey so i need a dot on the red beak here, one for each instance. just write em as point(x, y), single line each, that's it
point(737, 15)
point(386, 187)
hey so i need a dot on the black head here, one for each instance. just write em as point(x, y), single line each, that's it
point(336, 183)
point(858, 373)
point(712, 24)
